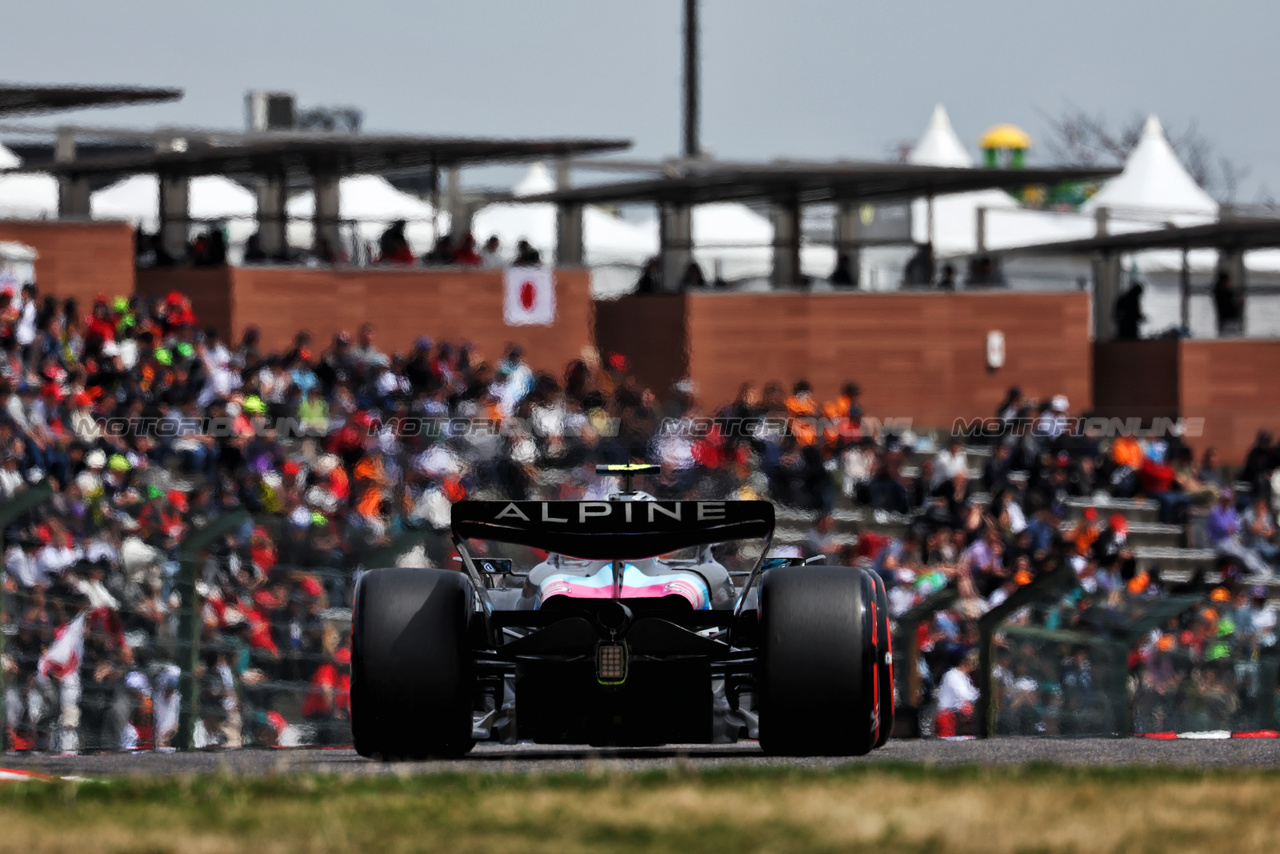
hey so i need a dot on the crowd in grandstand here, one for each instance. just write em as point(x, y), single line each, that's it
point(148, 425)
point(209, 248)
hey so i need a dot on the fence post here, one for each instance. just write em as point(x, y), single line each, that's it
point(10, 511)
point(904, 644)
point(1047, 587)
point(190, 622)
point(1268, 677)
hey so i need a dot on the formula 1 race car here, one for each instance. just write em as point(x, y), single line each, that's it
point(628, 631)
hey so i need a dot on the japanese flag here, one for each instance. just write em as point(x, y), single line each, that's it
point(64, 654)
point(529, 297)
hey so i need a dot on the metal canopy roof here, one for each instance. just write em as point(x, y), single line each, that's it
point(347, 154)
point(1242, 234)
point(814, 182)
point(19, 100)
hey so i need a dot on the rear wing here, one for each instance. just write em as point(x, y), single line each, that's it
point(607, 530)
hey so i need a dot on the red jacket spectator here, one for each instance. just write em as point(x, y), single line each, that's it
point(330, 691)
point(1155, 477)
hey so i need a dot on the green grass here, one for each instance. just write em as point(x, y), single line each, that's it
point(886, 808)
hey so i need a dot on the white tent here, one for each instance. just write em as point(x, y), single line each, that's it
point(607, 240)
point(25, 196)
point(939, 145)
point(955, 217)
point(17, 266)
point(732, 241)
point(1008, 223)
point(512, 222)
point(1155, 189)
point(136, 199)
point(1155, 184)
point(373, 203)
point(611, 240)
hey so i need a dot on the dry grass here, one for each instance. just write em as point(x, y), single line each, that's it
point(883, 809)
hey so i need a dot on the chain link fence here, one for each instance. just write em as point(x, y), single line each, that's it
point(207, 644)
point(1103, 665)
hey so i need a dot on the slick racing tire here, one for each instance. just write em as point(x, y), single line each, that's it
point(815, 677)
point(884, 661)
point(412, 679)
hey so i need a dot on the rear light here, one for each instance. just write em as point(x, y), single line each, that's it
point(611, 663)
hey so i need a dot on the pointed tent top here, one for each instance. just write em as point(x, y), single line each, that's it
point(1155, 180)
point(536, 181)
point(9, 160)
point(1153, 129)
point(939, 145)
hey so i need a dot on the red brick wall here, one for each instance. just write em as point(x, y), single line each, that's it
point(650, 331)
point(78, 259)
point(1233, 385)
point(1136, 378)
point(402, 304)
point(918, 356)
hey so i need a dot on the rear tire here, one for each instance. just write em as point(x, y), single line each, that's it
point(814, 678)
point(412, 676)
point(884, 660)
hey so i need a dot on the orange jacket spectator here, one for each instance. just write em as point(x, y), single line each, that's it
point(1125, 451)
point(803, 410)
point(838, 428)
point(1085, 533)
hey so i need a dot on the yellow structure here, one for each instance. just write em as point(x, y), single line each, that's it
point(1012, 140)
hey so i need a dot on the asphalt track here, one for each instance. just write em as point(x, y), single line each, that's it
point(532, 759)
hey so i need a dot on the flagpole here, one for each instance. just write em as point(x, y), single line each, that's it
point(692, 143)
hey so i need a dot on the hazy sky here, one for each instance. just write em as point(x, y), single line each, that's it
point(806, 78)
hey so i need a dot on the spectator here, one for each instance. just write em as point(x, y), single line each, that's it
point(442, 253)
point(949, 462)
point(526, 255)
point(365, 355)
point(1228, 303)
point(843, 276)
point(956, 696)
point(1223, 531)
point(822, 539)
point(947, 282)
point(1259, 463)
point(693, 277)
point(491, 253)
point(393, 246)
point(466, 254)
point(328, 702)
point(1128, 313)
point(1259, 530)
point(919, 269)
point(1158, 481)
point(650, 281)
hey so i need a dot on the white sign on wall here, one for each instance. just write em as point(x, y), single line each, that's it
point(995, 349)
point(529, 297)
